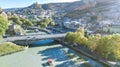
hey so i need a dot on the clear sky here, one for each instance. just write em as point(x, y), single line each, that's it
point(24, 3)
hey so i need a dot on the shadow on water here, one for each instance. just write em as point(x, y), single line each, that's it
point(47, 42)
point(57, 54)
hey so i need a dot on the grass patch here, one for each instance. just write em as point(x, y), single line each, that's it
point(8, 48)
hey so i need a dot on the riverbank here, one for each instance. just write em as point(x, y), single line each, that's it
point(9, 48)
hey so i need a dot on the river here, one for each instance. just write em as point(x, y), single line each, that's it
point(37, 56)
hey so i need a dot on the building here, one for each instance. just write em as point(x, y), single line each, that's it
point(73, 25)
point(115, 29)
point(110, 27)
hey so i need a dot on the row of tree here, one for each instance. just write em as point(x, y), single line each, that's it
point(105, 46)
point(43, 23)
point(109, 47)
point(20, 21)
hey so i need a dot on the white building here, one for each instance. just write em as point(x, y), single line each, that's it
point(73, 25)
point(105, 23)
point(111, 27)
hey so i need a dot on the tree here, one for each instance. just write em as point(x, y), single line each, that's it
point(47, 21)
point(76, 37)
point(80, 38)
point(37, 22)
point(92, 42)
point(108, 47)
point(16, 20)
point(3, 25)
point(81, 30)
point(69, 37)
point(27, 22)
point(43, 25)
point(52, 23)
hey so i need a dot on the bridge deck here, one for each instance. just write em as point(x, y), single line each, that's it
point(34, 37)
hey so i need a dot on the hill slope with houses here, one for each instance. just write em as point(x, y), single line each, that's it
point(51, 9)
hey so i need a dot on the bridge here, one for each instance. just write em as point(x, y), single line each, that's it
point(29, 39)
point(35, 37)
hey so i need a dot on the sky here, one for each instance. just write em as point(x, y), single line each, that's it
point(24, 3)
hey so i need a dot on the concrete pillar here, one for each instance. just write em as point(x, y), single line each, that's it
point(27, 43)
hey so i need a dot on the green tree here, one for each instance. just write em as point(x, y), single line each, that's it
point(80, 38)
point(108, 47)
point(3, 25)
point(81, 30)
point(37, 22)
point(16, 20)
point(52, 23)
point(27, 22)
point(47, 20)
point(69, 37)
point(76, 37)
point(92, 42)
point(43, 25)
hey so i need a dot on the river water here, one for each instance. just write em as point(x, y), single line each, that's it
point(37, 57)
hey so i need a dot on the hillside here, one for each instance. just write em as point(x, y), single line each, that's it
point(78, 9)
point(103, 8)
point(51, 9)
point(34, 9)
